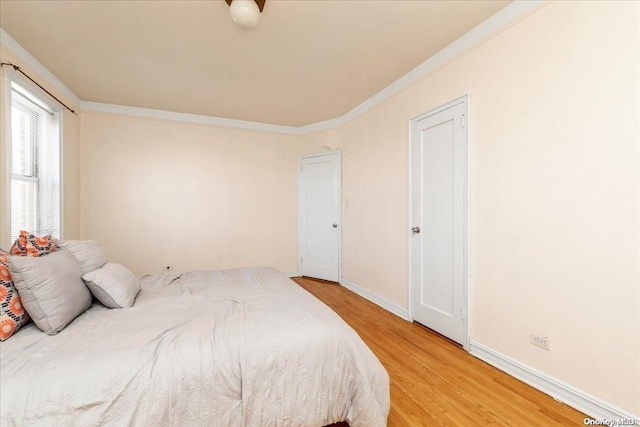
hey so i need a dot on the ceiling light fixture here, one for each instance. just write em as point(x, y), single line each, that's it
point(245, 13)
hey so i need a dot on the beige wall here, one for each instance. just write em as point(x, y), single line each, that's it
point(70, 155)
point(554, 192)
point(158, 193)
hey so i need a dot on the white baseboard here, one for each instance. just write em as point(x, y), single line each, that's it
point(392, 307)
point(578, 399)
point(292, 273)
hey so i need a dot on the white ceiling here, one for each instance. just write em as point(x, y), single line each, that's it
point(308, 60)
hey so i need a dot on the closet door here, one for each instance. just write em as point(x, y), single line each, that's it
point(439, 218)
point(319, 216)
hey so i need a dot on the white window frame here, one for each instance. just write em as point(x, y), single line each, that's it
point(45, 100)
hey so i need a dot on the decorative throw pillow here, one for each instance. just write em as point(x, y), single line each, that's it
point(51, 289)
point(29, 244)
point(88, 253)
point(12, 314)
point(113, 285)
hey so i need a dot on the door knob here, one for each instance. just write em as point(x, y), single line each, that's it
point(416, 230)
point(335, 225)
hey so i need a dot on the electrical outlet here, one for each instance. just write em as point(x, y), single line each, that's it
point(540, 341)
point(167, 268)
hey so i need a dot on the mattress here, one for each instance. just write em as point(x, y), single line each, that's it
point(241, 347)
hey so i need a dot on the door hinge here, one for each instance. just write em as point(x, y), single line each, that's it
point(301, 260)
point(463, 314)
point(464, 121)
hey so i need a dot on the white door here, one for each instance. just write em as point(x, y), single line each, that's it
point(319, 216)
point(439, 218)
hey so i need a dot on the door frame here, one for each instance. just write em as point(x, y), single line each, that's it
point(466, 286)
point(337, 152)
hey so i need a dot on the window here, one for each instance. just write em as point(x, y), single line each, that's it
point(35, 165)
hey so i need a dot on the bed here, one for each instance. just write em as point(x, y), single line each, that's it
point(241, 347)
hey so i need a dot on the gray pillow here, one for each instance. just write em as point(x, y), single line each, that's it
point(114, 285)
point(89, 253)
point(51, 289)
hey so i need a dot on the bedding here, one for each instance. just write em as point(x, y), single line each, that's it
point(242, 347)
point(113, 285)
point(51, 289)
point(12, 313)
point(89, 253)
point(28, 244)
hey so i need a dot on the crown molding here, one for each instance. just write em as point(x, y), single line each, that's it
point(29, 60)
point(186, 118)
point(507, 16)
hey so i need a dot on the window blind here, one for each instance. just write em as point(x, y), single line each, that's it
point(35, 166)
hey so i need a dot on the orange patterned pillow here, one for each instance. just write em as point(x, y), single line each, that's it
point(12, 314)
point(31, 245)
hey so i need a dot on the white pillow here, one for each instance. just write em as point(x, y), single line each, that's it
point(51, 289)
point(88, 253)
point(114, 285)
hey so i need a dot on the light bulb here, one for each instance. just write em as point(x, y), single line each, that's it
point(245, 14)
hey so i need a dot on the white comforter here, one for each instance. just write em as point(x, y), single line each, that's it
point(243, 347)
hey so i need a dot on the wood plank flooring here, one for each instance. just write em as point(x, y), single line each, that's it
point(433, 381)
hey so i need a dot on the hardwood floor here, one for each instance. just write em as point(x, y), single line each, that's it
point(435, 382)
